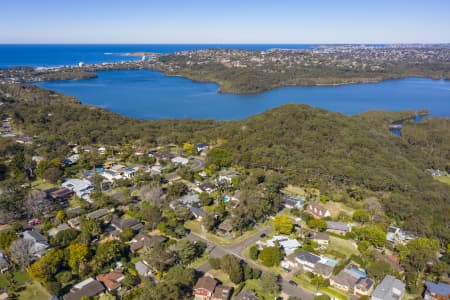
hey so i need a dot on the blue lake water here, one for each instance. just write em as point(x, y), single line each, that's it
point(150, 94)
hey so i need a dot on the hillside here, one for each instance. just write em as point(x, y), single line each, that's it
point(355, 156)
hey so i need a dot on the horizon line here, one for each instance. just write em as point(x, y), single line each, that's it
point(228, 43)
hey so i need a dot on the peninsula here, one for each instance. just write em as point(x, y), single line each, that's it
point(246, 72)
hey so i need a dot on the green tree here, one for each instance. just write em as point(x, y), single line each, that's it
point(283, 224)
point(231, 265)
point(373, 234)
point(78, 256)
point(205, 199)
point(254, 252)
point(214, 262)
point(271, 256)
point(6, 239)
point(420, 252)
point(126, 234)
point(44, 269)
point(219, 157)
point(184, 277)
point(269, 282)
point(317, 224)
point(61, 216)
point(377, 269)
point(361, 216)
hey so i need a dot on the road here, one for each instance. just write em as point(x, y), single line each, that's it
point(237, 249)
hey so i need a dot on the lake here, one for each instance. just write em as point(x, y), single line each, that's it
point(148, 94)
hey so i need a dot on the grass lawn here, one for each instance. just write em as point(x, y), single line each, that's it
point(444, 179)
point(336, 207)
point(254, 285)
point(299, 191)
point(19, 276)
point(42, 184)
point(332, 292)
point(34, 291)
point(343, 246)
point(196, 227)
point(220, 275)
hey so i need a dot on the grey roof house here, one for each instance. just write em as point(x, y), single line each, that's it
point(389, 289)
point(40, 243)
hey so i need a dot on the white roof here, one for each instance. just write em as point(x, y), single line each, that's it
point(82, 284)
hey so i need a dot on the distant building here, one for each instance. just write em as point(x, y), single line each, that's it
point(321, 238)
point(207, 288)
point(54, 231)
point(389, 289)
point(40, 244)
point(112, 280)
point(179, 160)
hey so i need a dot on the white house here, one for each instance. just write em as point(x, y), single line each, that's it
point(287, 244)
point(179, 160)
point(81, 187)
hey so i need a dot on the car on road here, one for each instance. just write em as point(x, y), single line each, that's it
point(262, 235)
point(292, 282)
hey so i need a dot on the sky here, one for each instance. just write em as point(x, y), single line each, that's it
point(227, 21)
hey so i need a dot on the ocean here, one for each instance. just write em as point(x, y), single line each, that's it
point(67, 55)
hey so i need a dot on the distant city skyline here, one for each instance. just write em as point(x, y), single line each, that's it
point(225, 22)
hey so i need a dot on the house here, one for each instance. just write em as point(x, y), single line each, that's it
point(338, 227)
point(225, 228)
point(396, 235)
point(364, 287)
point(197, 212)
point(112, 280)
point(111, 175)
point(284, 242)
point(390, 288)
point(121, 224)
point(71, 160)
point(4, 296)
point(99, 214)
point(293, 202)
point(129, 172)
point(436, 291)
point(179, 160)
point(345, 280)
point(227, 177)
point(202, 147)
point(142, 268)
point(74, 222)
point(145, 242)
point(207, 288)
point(39, 243)
point(307, 260)
point(81, 187)
point(55, 230)
point(222, 292)
point(323, 269)
point(61, 195)
point(246, 294)
point(4, 265)
point(321, 238)
point(186, 201)
point(206, 187)
point(87, 288)
point(318, 211)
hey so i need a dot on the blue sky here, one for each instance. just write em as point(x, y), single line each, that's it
point(228, 21)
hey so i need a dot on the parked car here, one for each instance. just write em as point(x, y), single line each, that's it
point(292, 282)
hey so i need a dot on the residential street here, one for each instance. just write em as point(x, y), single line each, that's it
point(237, 249)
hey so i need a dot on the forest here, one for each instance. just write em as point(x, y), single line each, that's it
point(348, 158)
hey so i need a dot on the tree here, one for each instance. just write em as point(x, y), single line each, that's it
point(61, 216)
point(317, 224)
point(65, 237)
point(283, 224)
point(420, 252)
point(176, 190)
point(322, 297)
point(269, 282)
point(205, 199)
point(78, 255)
point(151, 214)
point(231, 265)
point(52, 174)
point(373, 234)
point(181, 276)
point(254, 252)
point(151, 193)
point(6, 239)
point(271, 256)
point(219, 157)
point(187, 251)
point(214, 262)
point(45, 268)
point(361, 216)
point(378, 269)
point(126, 234)
point(33, 202)
point(21, 253)
point(188, 148)
point(107, 252)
